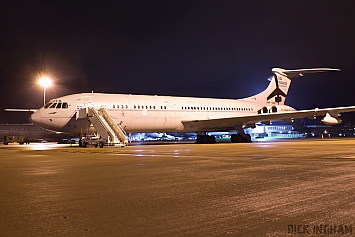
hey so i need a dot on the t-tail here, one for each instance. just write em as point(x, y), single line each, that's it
point(280, 82)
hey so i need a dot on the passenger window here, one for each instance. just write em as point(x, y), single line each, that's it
point(65, 105)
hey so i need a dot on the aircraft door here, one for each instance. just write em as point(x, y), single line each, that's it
point(86, 100)
point(173, 109)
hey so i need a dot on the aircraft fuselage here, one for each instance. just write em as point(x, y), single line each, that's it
point(141, 113)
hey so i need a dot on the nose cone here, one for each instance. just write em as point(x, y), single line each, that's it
point(35, 118)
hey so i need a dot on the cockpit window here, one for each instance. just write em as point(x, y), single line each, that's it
point(53, 105)
point(48, 104)
point(57, 104)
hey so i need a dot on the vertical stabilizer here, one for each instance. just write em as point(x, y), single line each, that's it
point(279, 84)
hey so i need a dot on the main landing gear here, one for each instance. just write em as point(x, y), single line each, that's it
point(239, 138)
point(205, 139)
point(235, 138)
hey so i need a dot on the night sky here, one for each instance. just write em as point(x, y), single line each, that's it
point(218, 49)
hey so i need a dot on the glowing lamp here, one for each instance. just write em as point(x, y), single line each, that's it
point(45, 82)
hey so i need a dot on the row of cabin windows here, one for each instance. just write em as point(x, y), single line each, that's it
point(144, 107)
point(122, 106)
point(183, 108)
point(216, 108)
point(140, 107)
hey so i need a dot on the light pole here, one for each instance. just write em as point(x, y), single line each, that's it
point(45, 82)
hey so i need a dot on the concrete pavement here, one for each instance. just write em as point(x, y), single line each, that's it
point(280, 188)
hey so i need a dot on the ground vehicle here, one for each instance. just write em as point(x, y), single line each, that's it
point(19, 139)
point(90, 140)
point(66, 141)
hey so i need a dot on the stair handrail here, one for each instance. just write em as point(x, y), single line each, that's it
point(114, 126)
point(97, 115)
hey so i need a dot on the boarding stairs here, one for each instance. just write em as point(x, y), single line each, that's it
point(108, 129)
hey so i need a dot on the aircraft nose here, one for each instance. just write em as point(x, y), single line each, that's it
point(35, 117)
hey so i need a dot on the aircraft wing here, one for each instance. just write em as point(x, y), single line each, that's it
point(230, 123)
point(21, 110)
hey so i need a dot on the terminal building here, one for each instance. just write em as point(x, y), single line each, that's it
point(276, 131)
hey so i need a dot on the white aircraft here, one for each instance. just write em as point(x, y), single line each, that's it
point(111, 115)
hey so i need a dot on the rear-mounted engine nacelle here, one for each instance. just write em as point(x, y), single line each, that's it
point(275, 109)
point(329, 120)
point(266, 110)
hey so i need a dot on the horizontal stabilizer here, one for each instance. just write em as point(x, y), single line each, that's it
point(280, 82)
point(300, 72)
